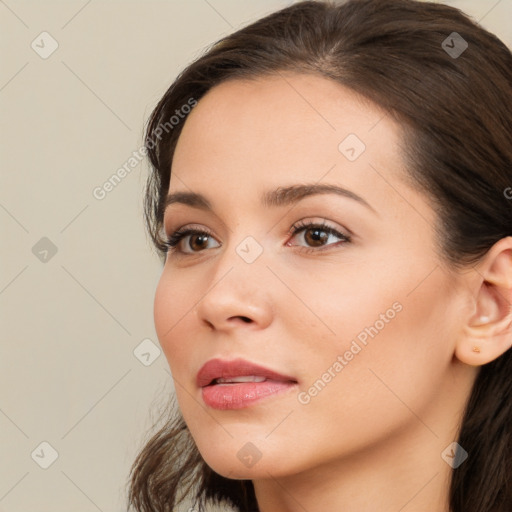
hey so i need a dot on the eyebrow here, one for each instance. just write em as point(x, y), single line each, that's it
point(282, 196)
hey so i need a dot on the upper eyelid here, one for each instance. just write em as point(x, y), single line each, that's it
point(302, 223)
point(168, 214)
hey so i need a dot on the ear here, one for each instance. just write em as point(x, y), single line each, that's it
point(487, 332)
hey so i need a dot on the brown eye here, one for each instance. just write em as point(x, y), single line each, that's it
point(195, 240)
point(317, 235)
point(198, 242)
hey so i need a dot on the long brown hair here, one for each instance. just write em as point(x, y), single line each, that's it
point(456, 111)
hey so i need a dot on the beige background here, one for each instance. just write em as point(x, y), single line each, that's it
point(72, 320)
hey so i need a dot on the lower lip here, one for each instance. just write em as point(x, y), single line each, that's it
point(243, 394)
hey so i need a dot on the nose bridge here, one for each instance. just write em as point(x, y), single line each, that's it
point(241, 257)
point(236, 287)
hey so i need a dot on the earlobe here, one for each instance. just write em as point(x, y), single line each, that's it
point(487, 333)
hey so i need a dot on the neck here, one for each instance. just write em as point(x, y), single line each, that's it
point(400, 476)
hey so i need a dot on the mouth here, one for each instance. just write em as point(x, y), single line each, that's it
point(239, 383)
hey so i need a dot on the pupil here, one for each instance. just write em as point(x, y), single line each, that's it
point(199, 237)
point(316, 237)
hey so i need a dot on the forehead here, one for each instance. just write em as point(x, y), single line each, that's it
point(282, 120)
point(285, 128)
point(283, 113)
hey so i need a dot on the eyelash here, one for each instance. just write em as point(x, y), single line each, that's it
point(175, 238)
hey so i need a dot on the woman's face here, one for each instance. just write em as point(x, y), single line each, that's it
point(358, 318)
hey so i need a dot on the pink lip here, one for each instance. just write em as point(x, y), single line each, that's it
point(242, 394)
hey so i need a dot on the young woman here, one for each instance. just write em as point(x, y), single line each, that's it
point(332, 197)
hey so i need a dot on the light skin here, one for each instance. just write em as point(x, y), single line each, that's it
point(372, 438)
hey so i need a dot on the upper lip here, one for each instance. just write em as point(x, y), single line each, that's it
point(218, 368)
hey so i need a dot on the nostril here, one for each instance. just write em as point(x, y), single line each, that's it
point(245, 319)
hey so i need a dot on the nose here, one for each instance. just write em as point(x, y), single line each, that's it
point(237, 296)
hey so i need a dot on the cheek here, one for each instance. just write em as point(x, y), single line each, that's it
point(396, 346)
point(173, 300)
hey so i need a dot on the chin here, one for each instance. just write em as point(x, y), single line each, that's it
point(229, 466)
point(243, 460)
